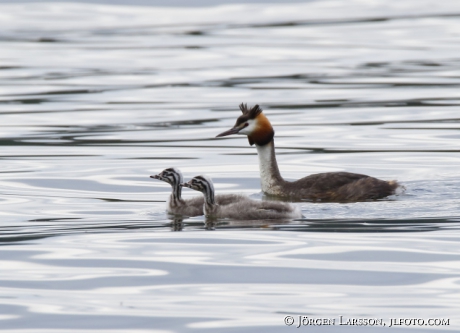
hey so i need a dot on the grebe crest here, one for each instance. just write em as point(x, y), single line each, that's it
point(254, 125)
point(331, 186)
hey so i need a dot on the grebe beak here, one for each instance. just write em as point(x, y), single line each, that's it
point(185, 185)
point(155, 177)
point(231, 131)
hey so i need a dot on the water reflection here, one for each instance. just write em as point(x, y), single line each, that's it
point(233, 279)
point(94, 99)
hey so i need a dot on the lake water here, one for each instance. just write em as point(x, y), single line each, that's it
point(95, 98)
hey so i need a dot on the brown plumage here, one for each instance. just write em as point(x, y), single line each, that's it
point(330, 186)
point(338, 187)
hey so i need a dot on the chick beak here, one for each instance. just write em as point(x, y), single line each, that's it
point(231, 131)
point(155, 177)
point(185, 185)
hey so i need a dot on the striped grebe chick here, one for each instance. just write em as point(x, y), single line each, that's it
point(330, 186)
point(187, 207)
point(241, 207)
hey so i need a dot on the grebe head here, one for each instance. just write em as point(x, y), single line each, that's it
point(171, 176)
point(200, 183)
point(254, 124)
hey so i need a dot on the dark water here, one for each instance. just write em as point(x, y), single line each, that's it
point(95, 98)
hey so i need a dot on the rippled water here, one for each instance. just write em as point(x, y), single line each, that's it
point(95, 98)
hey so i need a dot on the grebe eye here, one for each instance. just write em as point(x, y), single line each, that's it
point(246, 124)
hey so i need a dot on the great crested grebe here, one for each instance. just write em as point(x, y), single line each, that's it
point(242, 207)
point(330, 186)
point(189, 207)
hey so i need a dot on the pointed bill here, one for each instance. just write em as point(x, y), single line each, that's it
point(231, 131)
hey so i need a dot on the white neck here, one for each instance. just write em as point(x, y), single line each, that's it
point(270, 176)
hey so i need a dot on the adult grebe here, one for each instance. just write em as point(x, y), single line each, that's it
point(189, 207)
point(330, 186)
point(242, 207)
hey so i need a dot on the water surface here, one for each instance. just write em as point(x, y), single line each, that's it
point(95, 98)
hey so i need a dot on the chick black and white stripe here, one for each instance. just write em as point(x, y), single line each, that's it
point(189, 207)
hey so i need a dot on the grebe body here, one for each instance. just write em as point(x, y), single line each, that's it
point(241, 207)
point(176, 205)
point(186, 207)
point(330, 186)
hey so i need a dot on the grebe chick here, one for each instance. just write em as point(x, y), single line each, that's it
point(242, 207)
point(330, 186)
point(188, 207)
